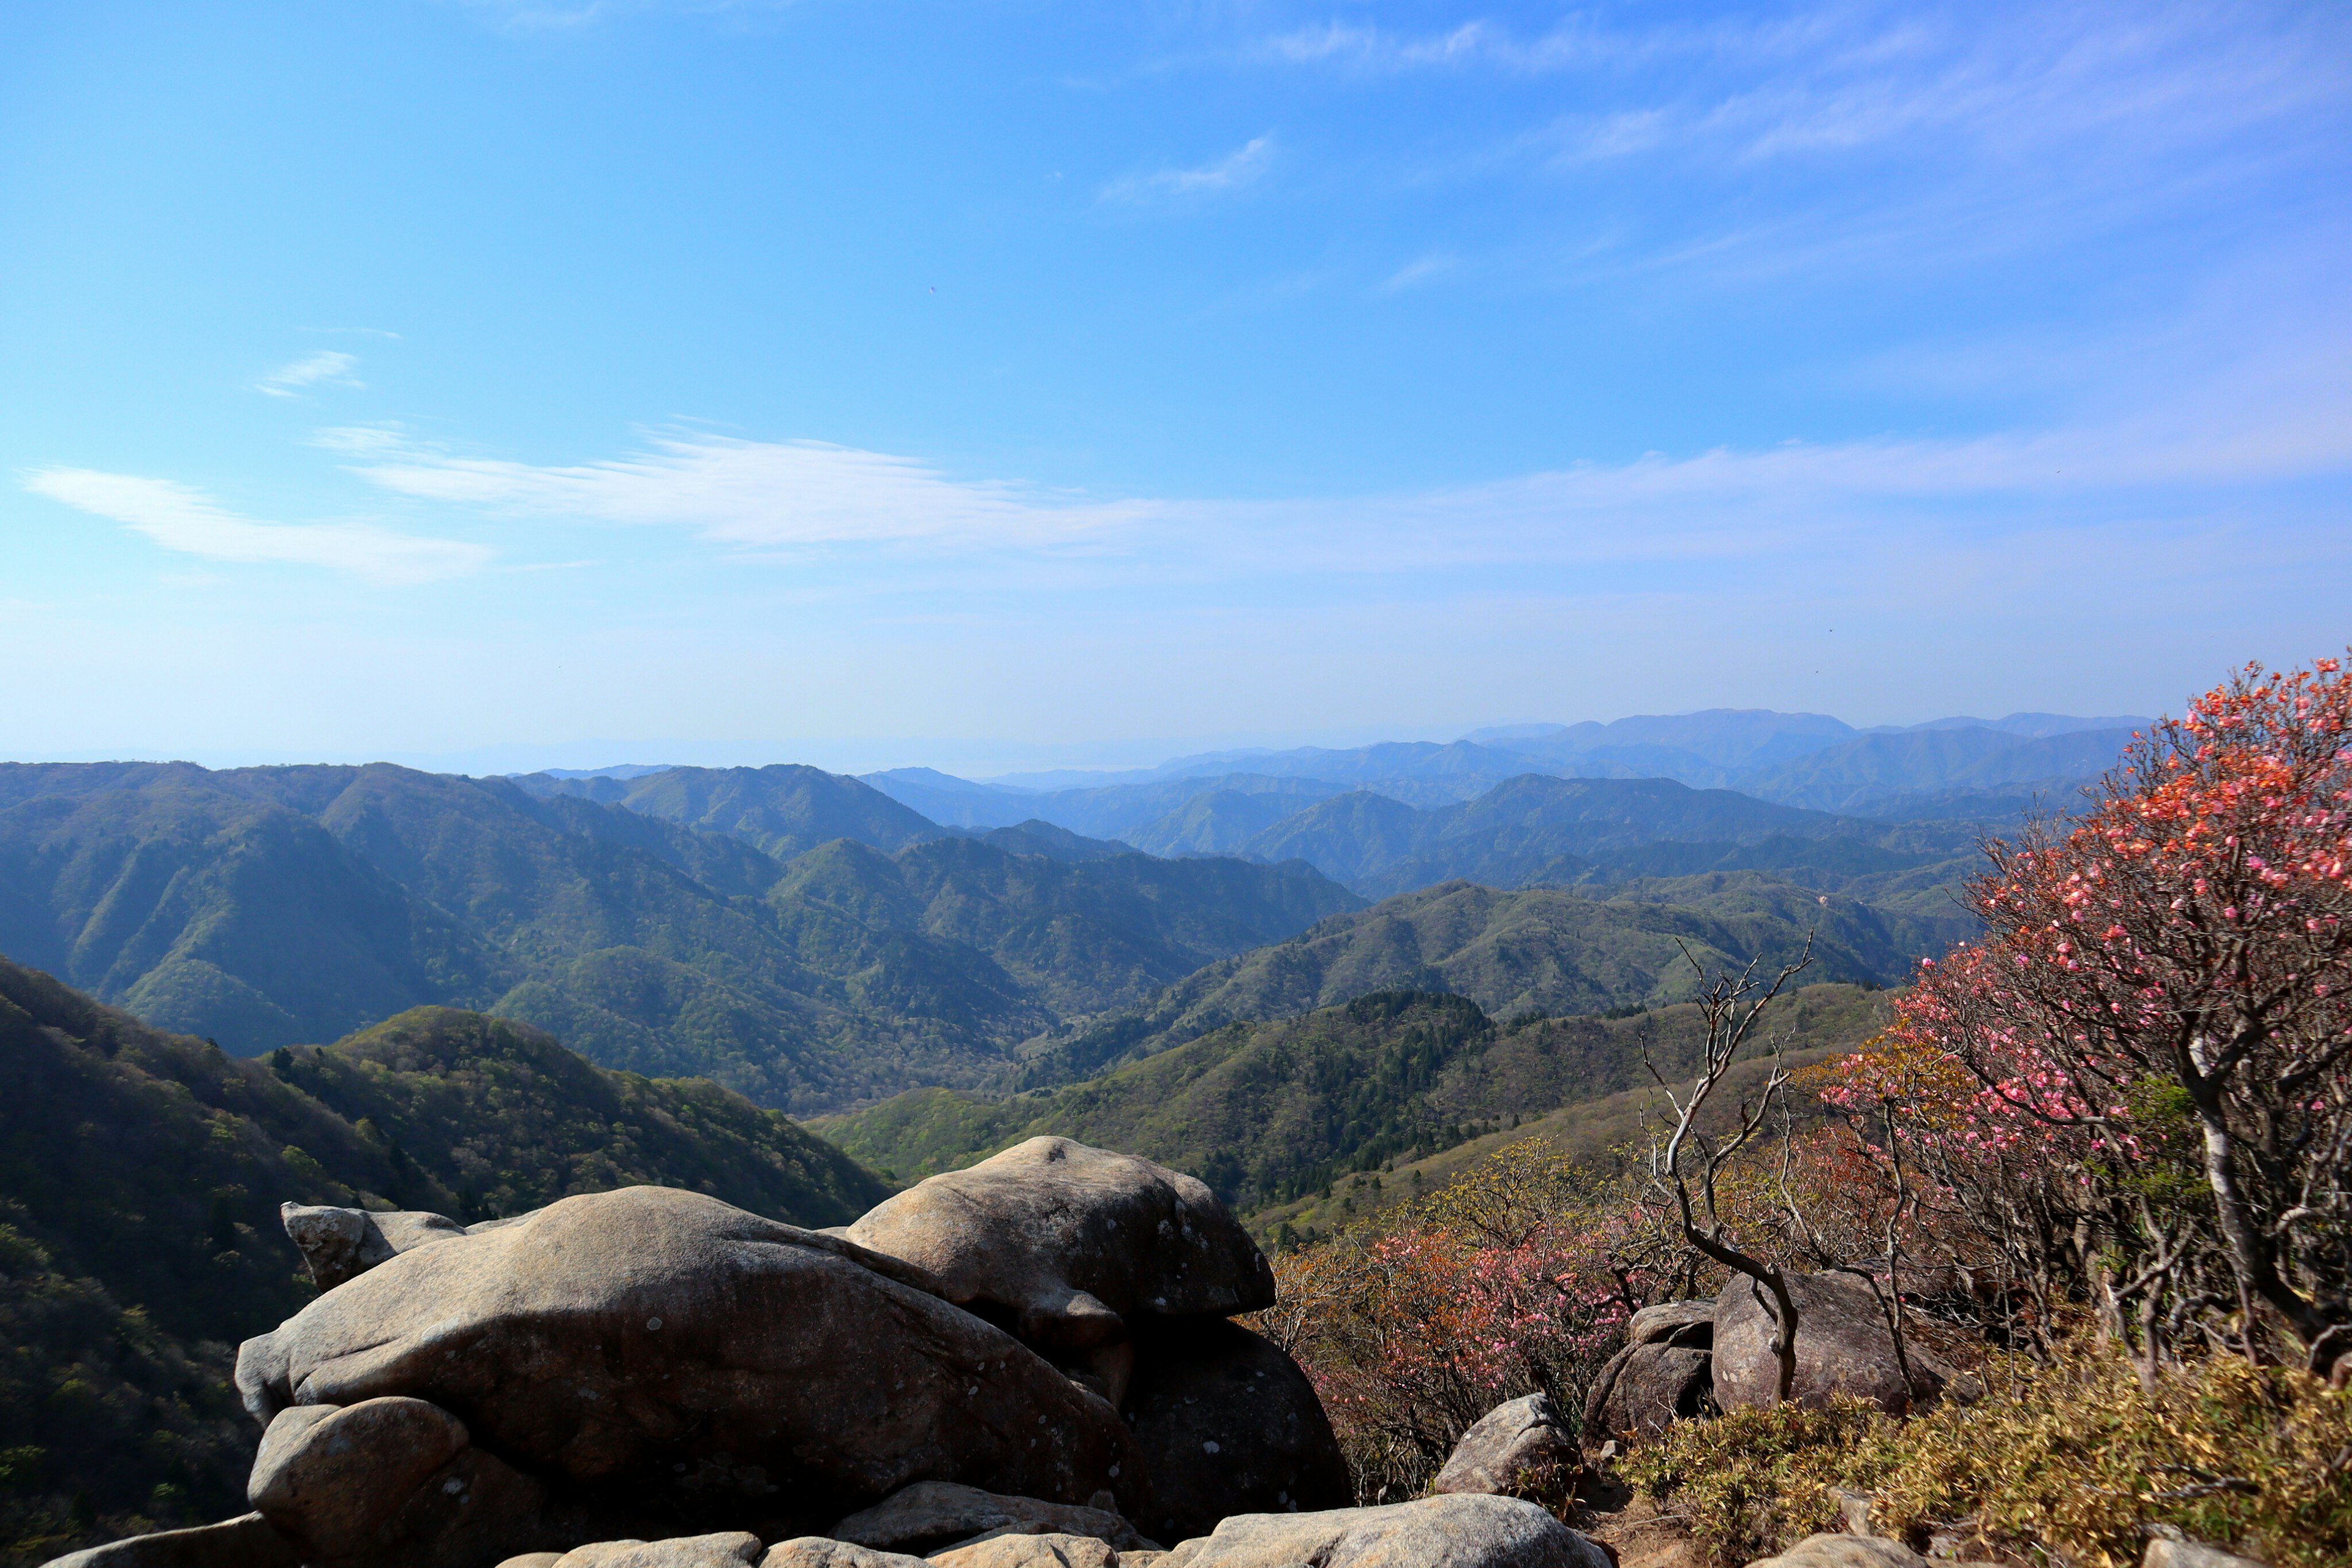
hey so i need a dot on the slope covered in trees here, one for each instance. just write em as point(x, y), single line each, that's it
point(1269, 1113)
point(140, 1177)
point(1540, 950)
point(264, 907)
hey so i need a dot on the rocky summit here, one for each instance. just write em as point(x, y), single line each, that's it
point(1029, 1364)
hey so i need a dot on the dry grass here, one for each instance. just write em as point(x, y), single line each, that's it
point(2073, 1459)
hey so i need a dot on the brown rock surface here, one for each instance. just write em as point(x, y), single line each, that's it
point(702, 1362)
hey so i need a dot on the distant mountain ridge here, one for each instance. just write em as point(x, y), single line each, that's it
point(1987, 770)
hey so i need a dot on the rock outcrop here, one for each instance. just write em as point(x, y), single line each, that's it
point(709, 1366)
point(649, 1378)
point(1664, 1373)
point(1464, 1531)
point(1228, 1423)
point(339, 1245)
point(1521, 1449)
point(1843, 1347)
point(1063, 1244)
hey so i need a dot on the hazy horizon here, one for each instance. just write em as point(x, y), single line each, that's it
point(981, 759)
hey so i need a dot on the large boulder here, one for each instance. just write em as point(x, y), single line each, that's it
point(1228, 1423)
point(1520, 1448)
point(932, 1514)
point(1664, 1373)
point(1063, 1245)
point(1843, 1347)
point(711, 1368)
point(340, 1244)
point(1464, 1531)
point(391, 1481)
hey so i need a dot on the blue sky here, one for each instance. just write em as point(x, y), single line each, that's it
point(995, 384)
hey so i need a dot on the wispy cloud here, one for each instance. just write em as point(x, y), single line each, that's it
point(753, 495)
point(2274, 421)
point(328, 367)
point(1241, 167)
point(1416, 272)
point(183, 519)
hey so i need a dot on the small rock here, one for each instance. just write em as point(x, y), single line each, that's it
point(1467, 1529)
point(1008, 1549)
point(2165, 1554)
point(340, 1244)
point(1854, 1508)
point(932, 1514)
point(731, 1549)
point(1844, 1551)
point(1515, 1449)
point(248, 1541)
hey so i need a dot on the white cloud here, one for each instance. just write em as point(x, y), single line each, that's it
point(328, 367)
point(748, 494)
point(180, 518)
point(1236, 169)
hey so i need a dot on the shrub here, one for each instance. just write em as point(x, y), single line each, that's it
point(2076, 1459)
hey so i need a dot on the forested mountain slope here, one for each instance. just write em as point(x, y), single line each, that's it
point(1270, 1112)
point(263, 906)
point(1548, 951)
point(140, 1177)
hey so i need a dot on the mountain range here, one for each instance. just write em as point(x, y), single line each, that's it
point(815, 942)
point(266, 907)
point(1968, 769)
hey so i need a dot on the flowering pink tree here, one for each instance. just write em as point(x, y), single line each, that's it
point(2180, 953)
